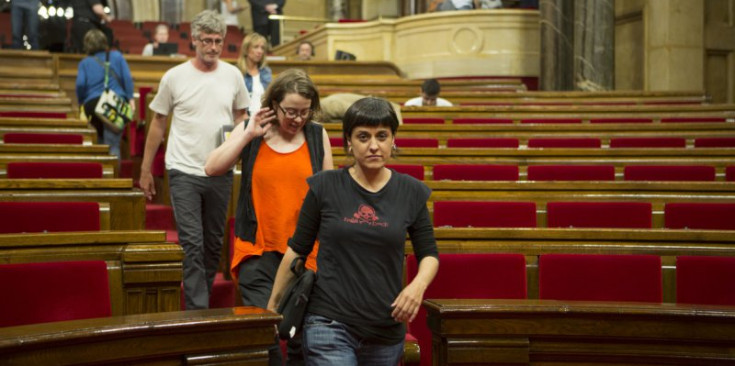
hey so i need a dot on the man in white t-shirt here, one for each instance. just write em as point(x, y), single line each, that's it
point(429, 96)
point(204, 95)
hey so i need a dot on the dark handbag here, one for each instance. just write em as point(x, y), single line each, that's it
point(295, 299)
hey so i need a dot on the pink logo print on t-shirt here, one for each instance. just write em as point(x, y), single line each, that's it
point(365, 215)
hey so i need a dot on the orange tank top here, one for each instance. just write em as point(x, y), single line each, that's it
point(278, 189)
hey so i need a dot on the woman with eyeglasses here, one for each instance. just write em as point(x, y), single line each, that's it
point(279, 147)
point(253, 65)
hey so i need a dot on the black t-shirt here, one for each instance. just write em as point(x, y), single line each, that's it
point(362, 238)
point(83, 9)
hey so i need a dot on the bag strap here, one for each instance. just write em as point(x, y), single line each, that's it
point(108, 69)
point(298, 266)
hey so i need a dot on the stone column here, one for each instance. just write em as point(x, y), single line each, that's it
point(594, 45)
point(557, 46)
point(674, 45)
point(577, 44)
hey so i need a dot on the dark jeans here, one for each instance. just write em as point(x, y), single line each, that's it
point(328, 342)
point(24, 21)
point(255, 279)
point(200, 209)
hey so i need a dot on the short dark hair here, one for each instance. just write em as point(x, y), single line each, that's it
point(371, 112)
point(292, 81)
point(430, 87)
point(95, 41)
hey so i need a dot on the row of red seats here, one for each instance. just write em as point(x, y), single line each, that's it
point(699, 280)
point(639, 215)
point(490, 172)
point(467, 172)
point(550, 142)
point(477, 120)
point(577, 103)
point(69, 216)
point(557, 142)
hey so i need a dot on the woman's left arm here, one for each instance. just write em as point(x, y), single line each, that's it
point(406, 305)
point(328, 162)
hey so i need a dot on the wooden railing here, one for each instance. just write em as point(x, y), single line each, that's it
point(237, 336)
point(537, 332)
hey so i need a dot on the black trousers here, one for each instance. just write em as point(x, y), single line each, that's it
point(255, 278)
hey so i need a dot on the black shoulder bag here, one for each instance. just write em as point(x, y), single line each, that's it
point(293, 305)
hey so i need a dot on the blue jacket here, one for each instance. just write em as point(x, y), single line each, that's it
point(91, 77)
point(266, 75)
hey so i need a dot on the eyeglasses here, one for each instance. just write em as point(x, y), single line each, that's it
point(293, 113)
point(212, 41)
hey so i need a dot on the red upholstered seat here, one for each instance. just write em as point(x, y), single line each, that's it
point(484, 214)
point(621, 120)
point(37, 217)
point(553, 142)
point(599, 214)
point(730, 173)
point(416, 171)
point(551, 120)
point(692, 119)
point(475, 172)
point(714, 142)
point(422, 120)
point(571, 172)
point(705, 280)
point(19, 114)
point(32, 170)
point(647, 142)
point(416, 142)
point(336, 142)
point(468, 276)
point(54, 291)
point(669, 172)
point(483, 142)
point(43, 138)
point(468, 121)
point(699, 215)
point(596, 277)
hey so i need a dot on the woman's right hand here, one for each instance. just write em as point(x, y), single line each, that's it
point(259, 122)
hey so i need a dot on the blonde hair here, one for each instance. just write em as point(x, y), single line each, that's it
point(247, 42)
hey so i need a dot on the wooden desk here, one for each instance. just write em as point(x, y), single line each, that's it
point(89, 135)
point(6, 122)
point(535, 332)
point(232, 336)
point(144, 271)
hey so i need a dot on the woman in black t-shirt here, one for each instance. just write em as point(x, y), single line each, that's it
point(361, 215)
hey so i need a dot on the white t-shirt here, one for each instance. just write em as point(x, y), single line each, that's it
point(148, 50)
point(418, 102)
point(201, 102)
point(257, 94)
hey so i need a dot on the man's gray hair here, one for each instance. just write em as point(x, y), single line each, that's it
point(210, 22)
